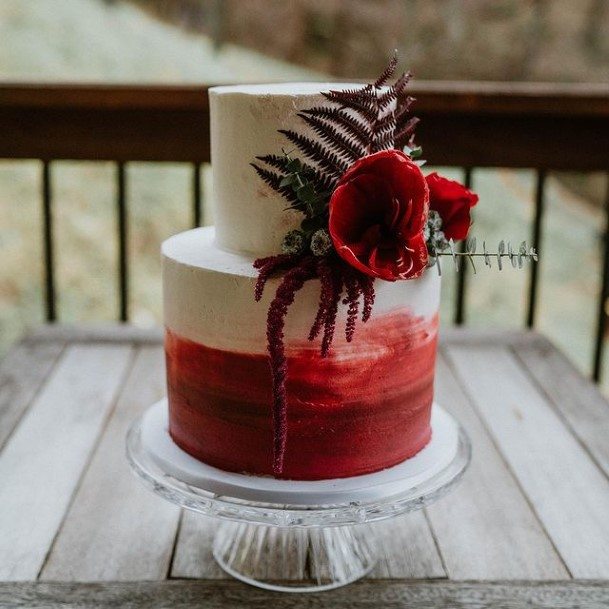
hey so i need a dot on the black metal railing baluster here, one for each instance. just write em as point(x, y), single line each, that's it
point(459, 318)
point(536, 238)
point(603, 300)
point(48, 244)
point(197, 212)
point(121, 225)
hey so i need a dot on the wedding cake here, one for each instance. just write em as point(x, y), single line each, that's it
point(249, 388)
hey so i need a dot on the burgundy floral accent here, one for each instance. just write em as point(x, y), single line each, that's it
point(294, 279)
point(453, 202)
point(352, 162)
point(267, 266)
point(324, 272)
point(368, 293)
point(377, 215)
point(333, 276)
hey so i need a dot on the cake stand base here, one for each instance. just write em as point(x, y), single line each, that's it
point(295, 559)
point(297, 536)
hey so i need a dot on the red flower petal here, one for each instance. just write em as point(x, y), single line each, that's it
point(377, 215)
point(453, 202)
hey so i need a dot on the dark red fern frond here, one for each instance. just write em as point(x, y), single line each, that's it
point(337, 141)
point(362, 101)
point(352, 126)
point(402, 109)
point(360, 121)
point(388, 129)
point(292, 282)
point(318, 153)
point(384, 141)
point(388, 72)
point(387, 123)
point(274, 160)
point(385, 99)
point(273, 179)
point(322, 180)
point(393, 92)
point(270, 177)
point(402, 137)
point(340, 95)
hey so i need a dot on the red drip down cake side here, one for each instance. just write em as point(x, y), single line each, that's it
point(365, 407)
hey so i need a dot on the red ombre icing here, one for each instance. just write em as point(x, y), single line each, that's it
point(365, 407)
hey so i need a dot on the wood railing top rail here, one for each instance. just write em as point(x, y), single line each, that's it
point(579, 99)
point(495, 124)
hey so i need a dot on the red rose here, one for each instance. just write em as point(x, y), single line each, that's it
point(453, 202)
point(377, 215)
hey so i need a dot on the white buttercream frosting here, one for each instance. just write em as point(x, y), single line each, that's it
point(250, 217)
point(209, 296)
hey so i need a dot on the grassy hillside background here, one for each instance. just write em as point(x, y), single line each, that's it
point(91, 40)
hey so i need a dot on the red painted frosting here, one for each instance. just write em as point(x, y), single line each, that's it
point(364, 408)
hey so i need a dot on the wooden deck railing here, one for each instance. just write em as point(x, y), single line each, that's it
point(468, 125)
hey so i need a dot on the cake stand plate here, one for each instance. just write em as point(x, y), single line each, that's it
point(296, 536)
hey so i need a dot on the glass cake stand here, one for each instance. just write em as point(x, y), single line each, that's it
point(289, 535)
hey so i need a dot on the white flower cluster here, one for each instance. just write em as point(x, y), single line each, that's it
point(295, 242)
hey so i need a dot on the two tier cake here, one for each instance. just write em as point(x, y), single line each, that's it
point(363, 405)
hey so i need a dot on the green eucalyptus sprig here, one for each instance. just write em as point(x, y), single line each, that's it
point(300, 179)
point(505, 251)
point(415, 153)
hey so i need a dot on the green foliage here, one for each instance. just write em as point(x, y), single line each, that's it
point(300, 180)
point(414, 153)
point(505, 251)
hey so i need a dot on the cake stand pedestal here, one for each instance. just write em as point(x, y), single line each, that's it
point(291, 535)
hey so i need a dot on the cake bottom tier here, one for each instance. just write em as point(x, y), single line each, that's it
point(364, 408)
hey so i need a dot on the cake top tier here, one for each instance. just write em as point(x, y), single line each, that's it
point(250, 217)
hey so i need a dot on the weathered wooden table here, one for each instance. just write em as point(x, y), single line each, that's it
point(529, 524)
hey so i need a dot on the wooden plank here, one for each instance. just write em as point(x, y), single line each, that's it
point(22, 372)
point(408, 549)
point(581, 405)
point(95, 333)
point(455, 335)
point(566, 489)
point(364, 594)
point(126, 333)
point(116, 529)
point(42, 462)
point(485, 528)
point(193, 554)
